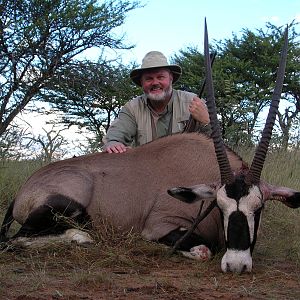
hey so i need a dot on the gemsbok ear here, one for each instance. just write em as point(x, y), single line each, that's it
point(194, 193)
point(287, 196)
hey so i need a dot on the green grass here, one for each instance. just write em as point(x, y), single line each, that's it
point(12, 175)
point(280, 227)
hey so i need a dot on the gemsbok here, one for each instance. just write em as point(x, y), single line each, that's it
point(135, 190)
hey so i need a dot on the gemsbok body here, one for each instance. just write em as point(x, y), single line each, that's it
point(134, 191)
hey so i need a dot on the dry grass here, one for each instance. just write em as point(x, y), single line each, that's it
point(127, 267)
point(123, 266)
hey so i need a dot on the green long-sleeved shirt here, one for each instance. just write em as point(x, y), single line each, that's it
point(138, 124)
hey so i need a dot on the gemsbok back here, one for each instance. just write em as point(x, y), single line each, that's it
point(135, 190)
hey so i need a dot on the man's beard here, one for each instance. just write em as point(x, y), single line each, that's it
point(166, 93)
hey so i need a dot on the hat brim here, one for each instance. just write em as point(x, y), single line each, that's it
point(136, 74)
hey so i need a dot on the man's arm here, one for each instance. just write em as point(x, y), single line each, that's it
point(121, 132)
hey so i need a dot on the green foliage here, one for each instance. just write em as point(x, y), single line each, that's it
point(192, 64)
point(252, 61)
point(244, 75)
point(40, 41)
point(89, 94)
point(39, 37)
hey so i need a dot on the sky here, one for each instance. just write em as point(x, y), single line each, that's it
point(171, 25)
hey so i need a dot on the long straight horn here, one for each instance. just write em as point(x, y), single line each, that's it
point(224, 166)
point(261, 151)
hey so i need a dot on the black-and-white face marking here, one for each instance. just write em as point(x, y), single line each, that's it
point(241, 213)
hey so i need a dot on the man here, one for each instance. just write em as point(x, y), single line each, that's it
point(160, 111)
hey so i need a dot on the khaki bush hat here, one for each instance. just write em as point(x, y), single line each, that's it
point(153, 60)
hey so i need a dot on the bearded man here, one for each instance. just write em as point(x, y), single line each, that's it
point(160, 111)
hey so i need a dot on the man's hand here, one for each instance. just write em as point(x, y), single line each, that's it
point(115, 147)
point(199, 111)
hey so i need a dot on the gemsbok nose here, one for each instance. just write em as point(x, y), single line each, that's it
point(237, 261)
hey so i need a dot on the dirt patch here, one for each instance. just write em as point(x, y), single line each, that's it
point(145, 272)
